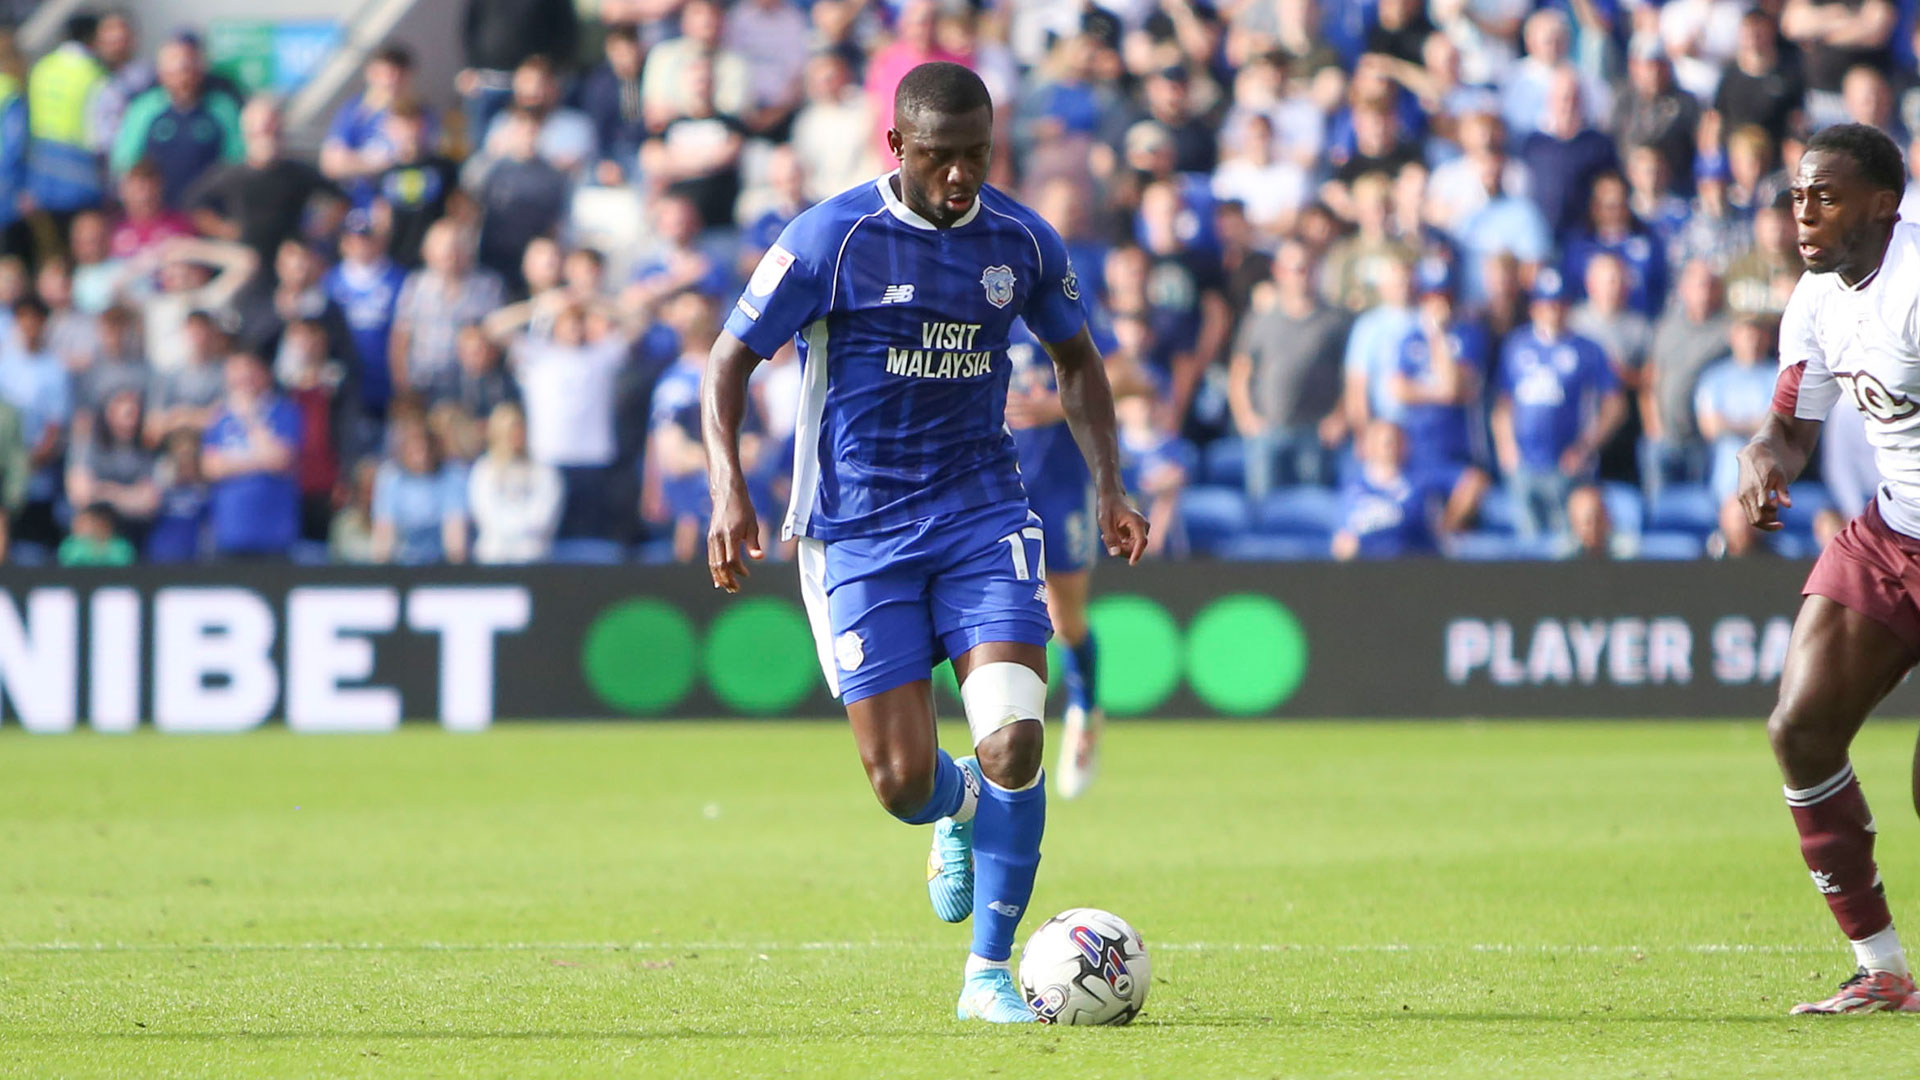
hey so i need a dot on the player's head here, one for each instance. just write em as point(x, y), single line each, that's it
point(943, 135)
point(1846, 197)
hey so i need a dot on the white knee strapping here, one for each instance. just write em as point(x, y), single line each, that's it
point(1002, 693)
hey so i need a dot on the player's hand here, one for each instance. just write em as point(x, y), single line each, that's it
point(733, 537)
point(1763, 487)
point(1122, 528)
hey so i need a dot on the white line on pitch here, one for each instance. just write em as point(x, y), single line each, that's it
point(853, 946)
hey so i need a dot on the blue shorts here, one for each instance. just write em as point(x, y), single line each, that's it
point(886, 608)
point(1067, 517)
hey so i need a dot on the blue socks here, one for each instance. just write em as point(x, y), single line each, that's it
point(1006, 852)
point(949, 791)
point(1076, 670)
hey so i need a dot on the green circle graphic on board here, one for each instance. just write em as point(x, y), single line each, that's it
point(638, 656)
point(1246, 654)
point(1139, 653)
point(760, 656)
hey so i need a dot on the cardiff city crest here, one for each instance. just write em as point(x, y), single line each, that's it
point(998, 281)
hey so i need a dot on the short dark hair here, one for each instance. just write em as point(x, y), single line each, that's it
point(31, 303)
point(395, 53)
point(942, 88)
point(1872, 150)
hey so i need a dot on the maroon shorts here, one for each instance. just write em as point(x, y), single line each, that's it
point(1875, 571)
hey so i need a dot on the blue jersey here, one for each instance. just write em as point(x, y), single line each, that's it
point(367, 297)
point(1049, 458)
point(903, 330)
point(1556, 388)
point(1443, 433)
point(1391, 519)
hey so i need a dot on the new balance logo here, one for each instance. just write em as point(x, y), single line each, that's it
point(1824, 882)
point(1011, 911)
point(897, 294)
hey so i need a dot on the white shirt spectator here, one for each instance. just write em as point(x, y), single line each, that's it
point(768, 34)
point(515, 506)
point(1271, 193)
point(568, 394)
point(834, 161)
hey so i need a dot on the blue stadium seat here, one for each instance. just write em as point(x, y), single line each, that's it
point(1670, 546)
point(1488, 546)
point(1793, 545)
point(1684, 508)
point(22, 553)
point(1225, 462)
point(309, 553)
point(588, 552)
point(1625, 506)
point(1307, 511)
point(1257, 548)
point(653, 552)
point(1212, 515)
point(1809, 499)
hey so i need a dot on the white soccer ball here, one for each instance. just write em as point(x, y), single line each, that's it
point(1085, 966)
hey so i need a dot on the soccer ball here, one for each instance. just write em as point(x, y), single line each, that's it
point(1085, 966)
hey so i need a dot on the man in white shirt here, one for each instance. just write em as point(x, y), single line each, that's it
point(567, 385)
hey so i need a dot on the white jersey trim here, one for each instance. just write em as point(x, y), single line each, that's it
point(806, 432)
point(812, 558)
point(900, 209)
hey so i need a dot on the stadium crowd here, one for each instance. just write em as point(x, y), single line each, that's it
point(1489, 278)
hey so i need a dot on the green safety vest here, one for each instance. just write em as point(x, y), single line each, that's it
point(59, 93)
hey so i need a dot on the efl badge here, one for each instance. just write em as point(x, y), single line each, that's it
point(998, 281)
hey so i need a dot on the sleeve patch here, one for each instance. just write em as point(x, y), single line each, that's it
point(1786, 389)
point(773, 267)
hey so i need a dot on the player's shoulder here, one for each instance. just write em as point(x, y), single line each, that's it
point(999, 205)
point(1901, 264)
point(821, 228)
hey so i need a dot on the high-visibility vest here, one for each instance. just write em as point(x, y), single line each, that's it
point(59, 93)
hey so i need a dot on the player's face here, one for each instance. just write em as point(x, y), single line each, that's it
point(1842, 220)
point(943, 161)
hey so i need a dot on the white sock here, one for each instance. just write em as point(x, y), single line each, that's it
point(981, 963)
point(1882, 952)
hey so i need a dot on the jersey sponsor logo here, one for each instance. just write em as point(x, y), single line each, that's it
point(934, 359)
point(998, 282)
point(897, 294)
point(849, 652)
point(1874, 399)
point(1071, 283)
point(773, 266)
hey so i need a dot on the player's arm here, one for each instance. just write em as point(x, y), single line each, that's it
point(734, 534)
point(1087, 399)
point(1774, 458)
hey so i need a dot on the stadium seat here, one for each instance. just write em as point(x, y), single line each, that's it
point(1307, 511)
point(653, 552)
point(309, 553)
point(1789, 544)
point(1488, 546)
point(1257, 548)
point(21, 553)
point(1212, 515)
point(1684, 508)
point(1625, 506)
point(1809, 499)
point(588, 552)
point(1670, 546)
point(1496, 512)
point(1225, 462)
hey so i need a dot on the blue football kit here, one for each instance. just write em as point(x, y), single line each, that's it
point(1059, 484)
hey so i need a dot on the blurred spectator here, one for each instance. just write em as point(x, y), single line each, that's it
point(297, 292)
point(63, 166)
point(1186, 305)
point(1701, 36)
point(128, 75)
point(610, 96)
point(33, 381)
point(1847, 463)
point(94, 268)
point(1733, 397)
point(357, 149)
point(665, 86)
point(1735, 539)
point(16, 470)
point(1399, 30)
point(1459, 188)
point(1651, 199)
point(417, 189)
point(186, 396)
point(365, 286)
point(1868, 99)
point(1622, 333)
point(114, 467)
point(521, 196)
point(1438, 385)
point(835, 105)
point(15, 236)
point(146, 221)
point(350, 537)
point(566, 384)
point(1284, 381)
point(696, 155)
point(764, 33)
point(1373, 348)
point(1750, 154)
point(249, 455)
point(483, 384)
point(1272, 189)
point(1060, 112)
point(679, 263)
point(514, 500)
point(194, 275)
point(1691, 334)
point(419, 503)
point(1565, 155)
point(1246, 268)
point(1154, 464)
point(93, 541)
point(1483, 31)
point(262, 201)
point(564, 138)
point(1835, 36)
point(1715, 231)
point(183, 126)
point(768, 210)
point(1759, 87)
point(1380, 145)
point(14, 285)
point(1384, 512)
point(1505, 223)
point(117, 365)
point(1559, 403)
point(436, 301)
point(1652, 111)
point(72, 336)
point(914, 43)
point(1355, 264)
point(1761, 280)
point(1527, 89)
point(313, 379)
point(179, 529)
point(674, 446)
point(1611, 229)
point(498, 36)
point(1592, 527)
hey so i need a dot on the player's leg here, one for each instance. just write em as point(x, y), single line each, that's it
point(1080, 747)
point(1856, 636)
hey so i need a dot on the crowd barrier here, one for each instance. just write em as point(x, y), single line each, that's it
point(229, 648)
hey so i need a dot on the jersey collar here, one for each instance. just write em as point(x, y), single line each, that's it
point(900, 210)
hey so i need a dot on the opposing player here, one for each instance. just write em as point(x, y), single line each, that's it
point(915, 538)
point(1060, 489)
point(1850, 331)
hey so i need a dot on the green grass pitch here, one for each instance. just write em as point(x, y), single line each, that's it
point(1472, 901)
